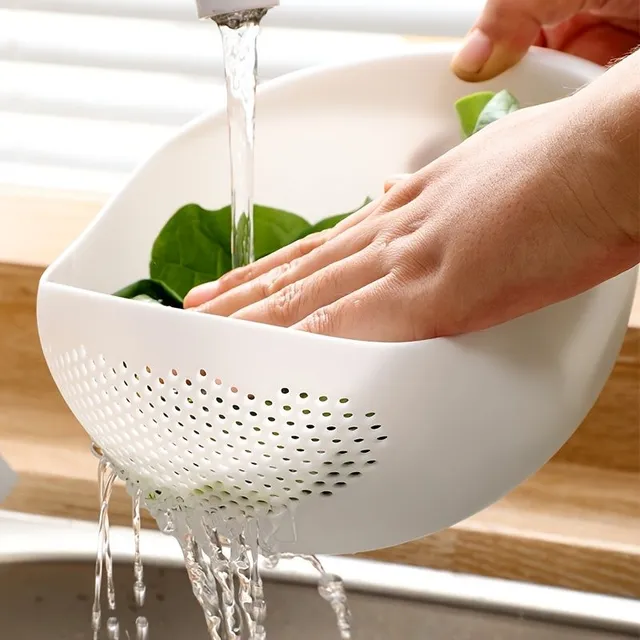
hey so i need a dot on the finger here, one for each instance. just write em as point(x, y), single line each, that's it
point(287, 274)
point(203, 293)
point(394, 180)
point(588, 37)
point(506, 30)
point(303, 297)
point(375, 312)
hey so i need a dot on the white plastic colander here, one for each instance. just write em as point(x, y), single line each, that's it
point(375, 444)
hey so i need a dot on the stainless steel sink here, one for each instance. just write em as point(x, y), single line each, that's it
point(47, 575)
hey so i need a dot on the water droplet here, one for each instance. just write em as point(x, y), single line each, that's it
point(142, 628)
point(139, 593)
point(113, 629)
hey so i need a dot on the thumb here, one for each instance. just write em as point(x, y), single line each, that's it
point(505, 31)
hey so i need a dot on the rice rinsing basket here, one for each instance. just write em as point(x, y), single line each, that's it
point(374, 444)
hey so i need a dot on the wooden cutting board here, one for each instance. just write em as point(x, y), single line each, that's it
point(576, 523)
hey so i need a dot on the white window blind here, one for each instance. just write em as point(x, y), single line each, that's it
point(89, 88)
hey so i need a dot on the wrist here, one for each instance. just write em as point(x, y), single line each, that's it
point(605, 133)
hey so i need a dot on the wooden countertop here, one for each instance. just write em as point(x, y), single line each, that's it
point(573, 524)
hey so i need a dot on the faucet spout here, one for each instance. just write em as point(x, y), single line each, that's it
point(213, 8)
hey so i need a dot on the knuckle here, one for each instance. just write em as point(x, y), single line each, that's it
point(264, 286)
point(401, 292)
point(277, 279)
point(419, 262)
point(384, 238)
point(322, 321)
point(407, 268)
point(283, 305)
point(237, 276)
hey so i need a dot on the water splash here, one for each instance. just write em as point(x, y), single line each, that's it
point(139, 588)
point(330, 588)
point(106, 478)
point(200, 575)
point(221, 570)
point(250, 592)
point(108, 564)
point(224, 572)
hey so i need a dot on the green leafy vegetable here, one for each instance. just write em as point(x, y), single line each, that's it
point(151, 291)
point(502, 104)
point(469, 109)
point(274, 229)
point(194, 246)
point(478, 110)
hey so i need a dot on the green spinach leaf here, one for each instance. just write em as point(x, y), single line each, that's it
point(192, 248)
point(469, 109)
point(274, 229)
point(151, 291)
point(478, 110)
point(502, 104)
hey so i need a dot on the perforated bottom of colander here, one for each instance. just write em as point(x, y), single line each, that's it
point(195, 438)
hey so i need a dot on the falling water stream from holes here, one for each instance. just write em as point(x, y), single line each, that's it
point(224, 573)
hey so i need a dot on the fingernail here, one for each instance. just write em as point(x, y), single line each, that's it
point(200, 294)
point(475, 52)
